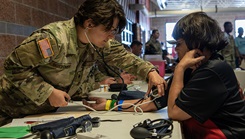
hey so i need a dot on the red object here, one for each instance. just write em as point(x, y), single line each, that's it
point(195, 130)
point(30, 122)
point(160, 65)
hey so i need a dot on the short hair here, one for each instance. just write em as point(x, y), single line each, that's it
point(200, 31)
point(101, 12)
point(137, 43)
point(154, 31)
point(227, 23)
point(240, 29)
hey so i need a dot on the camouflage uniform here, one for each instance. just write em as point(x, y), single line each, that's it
point(31, 75)
point(157, 45)
point(109, 72)
point(229, 52)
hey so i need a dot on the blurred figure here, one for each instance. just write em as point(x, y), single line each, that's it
point(153, 46)
point(165, 56)
point(230, 52)
point(136, 47)
point(240, 43)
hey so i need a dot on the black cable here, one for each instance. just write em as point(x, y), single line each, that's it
point(102, 56)
point(109, 120)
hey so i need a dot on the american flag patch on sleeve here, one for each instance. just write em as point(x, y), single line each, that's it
point(45, 48)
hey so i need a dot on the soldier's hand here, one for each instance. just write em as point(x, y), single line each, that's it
point(58, 98)
point(156, 80)
point(98, 105)
point(108, 81)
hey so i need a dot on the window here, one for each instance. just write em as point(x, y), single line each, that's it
point(127, 34)
point(169, 30)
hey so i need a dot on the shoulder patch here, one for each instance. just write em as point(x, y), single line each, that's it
point(45, 48)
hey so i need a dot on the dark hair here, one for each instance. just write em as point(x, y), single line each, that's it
point(101, 12)
point(137, 43)
point(240, 29)
point(153, 32)
point(200, 31)
point(226, 23)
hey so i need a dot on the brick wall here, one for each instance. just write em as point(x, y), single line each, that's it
point(160, 22)
point(19, 18)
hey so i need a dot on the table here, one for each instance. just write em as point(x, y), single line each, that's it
point(118, 130)
point(113, 130)
point(137, 85)
point(122, 129)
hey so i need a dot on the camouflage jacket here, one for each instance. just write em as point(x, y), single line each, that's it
point(156, 44)
point(52, 57)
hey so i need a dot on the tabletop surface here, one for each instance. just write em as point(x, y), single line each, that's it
point(111, 130)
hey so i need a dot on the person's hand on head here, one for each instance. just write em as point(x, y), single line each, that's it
point(98, 105)
point(58, 98)
point(156, 80)
point(192, 59)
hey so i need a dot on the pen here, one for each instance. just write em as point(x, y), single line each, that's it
point(37, 122)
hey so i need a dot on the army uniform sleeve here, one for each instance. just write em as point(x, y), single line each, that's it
point(116, 55)
point(93, 82)
point(21, 66)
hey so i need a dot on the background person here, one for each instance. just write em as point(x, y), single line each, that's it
point(50, 66)
point(153, 46)
point(136, 47)
point(230, 52)
point(240, 42)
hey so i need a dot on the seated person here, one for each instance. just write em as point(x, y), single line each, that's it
point(203, 96)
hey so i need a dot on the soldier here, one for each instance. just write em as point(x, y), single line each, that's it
point(56, 62)
point(230, 52)
point(153, 46)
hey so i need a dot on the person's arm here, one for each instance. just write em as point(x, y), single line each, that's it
point(189, 60)
point(174, 112)
point(100, 104)
point(116, 55)
point(21, 68)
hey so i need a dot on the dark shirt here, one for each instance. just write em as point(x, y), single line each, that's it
point(211, 96)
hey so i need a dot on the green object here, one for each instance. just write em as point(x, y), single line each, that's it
point(13, 132)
